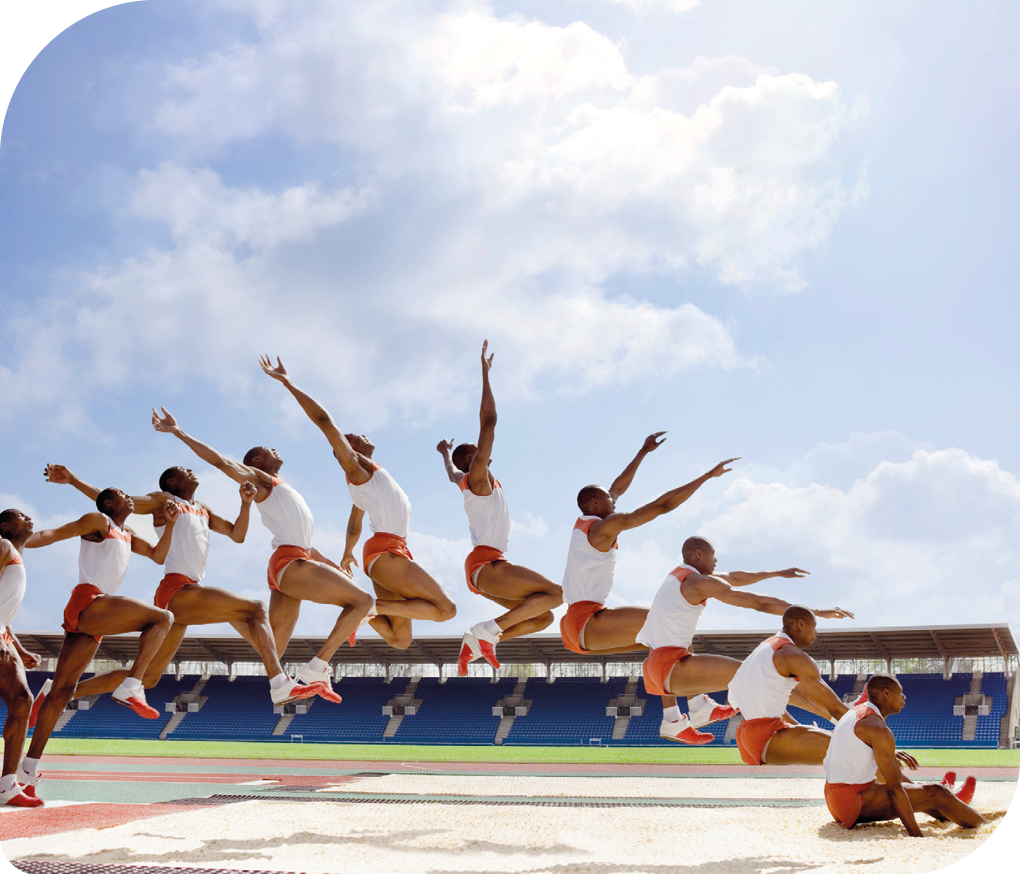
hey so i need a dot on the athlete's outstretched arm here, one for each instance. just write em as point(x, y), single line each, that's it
point(94, 523)
point(819, 693)
point(879, 738)
point(62, 474)
point(158, 553)
point(238, 529)
point(353, 536)
point(445, 449)
point(622, 483)
point(234, 470)
point(318, 414)
point(478, 472)
point(745, 578)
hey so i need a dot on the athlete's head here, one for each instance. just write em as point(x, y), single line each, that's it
point(885, 693)
point(699, 553)
point(177, 480)
point(114, 503)
point(360, 444)
point(595, 501)
point(15, 524)
point(463, 455)
point(800, 624)
point(263, 459)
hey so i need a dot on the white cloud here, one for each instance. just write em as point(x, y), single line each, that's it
point(669, 5)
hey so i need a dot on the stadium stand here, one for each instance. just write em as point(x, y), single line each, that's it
point(570, 711)
point(456, 712)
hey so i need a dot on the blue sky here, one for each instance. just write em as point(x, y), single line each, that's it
point(776, 233)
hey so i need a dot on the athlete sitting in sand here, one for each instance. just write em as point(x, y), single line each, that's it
point(297, 571)
point(529, 596)
point(404, 590)
point(863, 747)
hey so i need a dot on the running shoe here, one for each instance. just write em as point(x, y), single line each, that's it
point(37, 704)
point(705, 711)
point(966, 794)
point(682, 731)
point(134, 698)
point(16, 797)
point(486, 643)
point(292, 690)
point(28, 781)
point(320, 680)
point(949, 780)
point(470, 650)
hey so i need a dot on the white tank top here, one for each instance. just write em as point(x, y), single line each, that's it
point(588, 576)
point(104, 563)
point(189, 543)
point(758, 689)
point(384, 501)
point(849, 760)
point(286, 515)
point(488, 516)
point(671, 619)
point(12, 590)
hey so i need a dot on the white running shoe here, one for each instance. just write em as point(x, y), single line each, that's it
point(27, 781)
point(470, 650)
point(17, 797)
point(322, 680)
point(486, 643)
point(134, 698)
point(705, 710)
point(291, 691)
point(682, 731)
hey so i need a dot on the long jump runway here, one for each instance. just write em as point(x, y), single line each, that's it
point(113, 814)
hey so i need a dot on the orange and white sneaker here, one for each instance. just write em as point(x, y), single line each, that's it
point(949, 780)
point(705, 711)
point(320, 680)
point(37, 704)
point(682, 731)
point(486, 643)
point(28, 781)
point(966, 793)
point(470, 650)
point(134, 698)
point(292, 690)
point(19, 799)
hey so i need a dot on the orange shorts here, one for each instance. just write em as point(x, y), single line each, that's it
point(383, 542)
point(754, 735)
point(845, 802)
point(476, 559)
point(168, 588)
point(281, 558)
point(81, 597)
point(657, 666)
point(572, 624)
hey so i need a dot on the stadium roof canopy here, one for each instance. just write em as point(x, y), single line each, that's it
point(888, 643)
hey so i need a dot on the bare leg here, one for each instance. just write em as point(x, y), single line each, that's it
point(805, 745)
point(525, 627)
point(109, 681)
point(310, 581)
point(75, 655)
point(18, 698)
point(115, 615)
point(418, 596)
point(702, 673)
point(614, 630)
point(933, 799)
point(528, 594)
point(395, 631)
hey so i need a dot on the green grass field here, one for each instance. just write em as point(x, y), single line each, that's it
point(477, 754)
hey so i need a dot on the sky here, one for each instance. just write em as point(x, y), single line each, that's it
point(777, 232)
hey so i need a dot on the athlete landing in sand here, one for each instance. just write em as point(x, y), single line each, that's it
point(15, 529)
point(529, 596)
point(180, 590)
point(297, 571)
point(404, 590)
point(95, 610)
point(862, 746)
point(669, 632)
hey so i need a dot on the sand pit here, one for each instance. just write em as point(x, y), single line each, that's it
point(487, 832)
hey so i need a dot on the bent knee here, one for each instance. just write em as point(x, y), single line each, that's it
point(544, 619)
point(402, 641)
point(447, 610)
point(162, 617)
point(362, 602)
point(22, 703)
point(258, 612)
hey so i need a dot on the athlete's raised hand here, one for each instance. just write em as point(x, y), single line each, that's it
point(167, 424)
point(277, 373)
point(445, 446)
point(171, 510)
point(907, 760)
point(721, 468)
point(486, 362)
point(57, 474)
point(653, 442)
point(347, 562)
point(834, 614)
point(28, 659)
point(248, 490)
point(792, 572)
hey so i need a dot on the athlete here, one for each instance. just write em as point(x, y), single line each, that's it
point(862, 747)
point(529, 596)
point(297, 571)
point(670, 668)
point(95, 610)
point(404, 590)
point(180, 591)
point(15, 529)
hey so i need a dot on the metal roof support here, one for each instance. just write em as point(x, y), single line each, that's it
point(540, 657)
point(605, 679)
point(429, 655)
point(946, 672)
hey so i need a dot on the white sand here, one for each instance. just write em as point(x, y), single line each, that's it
point(336, 837)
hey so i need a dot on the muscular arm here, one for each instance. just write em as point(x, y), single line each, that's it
point(603, 533)
point(622, 483)
point(746, 578)
point(445, 449)
point(874, 733)
point(158, 553)
point(697, 588)
point(478, 473)
point(792, 662)
point(143, 503)
point(353, 536)
point(238, 529)
point(94, 523)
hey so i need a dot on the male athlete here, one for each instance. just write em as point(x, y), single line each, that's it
point(862, 747)
point(15, 529)
point(180, 590)
point(669, 632)
point(297, 571)
point(95, 610)
point(529, 596)
point(404, 590)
